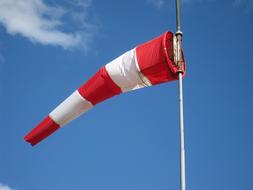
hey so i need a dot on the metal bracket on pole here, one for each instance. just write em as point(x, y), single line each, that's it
point(180, 65)
point(179, 53)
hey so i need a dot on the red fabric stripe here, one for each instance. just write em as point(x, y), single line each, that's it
point(99, 88)
point(155, 59)
point(41, 131)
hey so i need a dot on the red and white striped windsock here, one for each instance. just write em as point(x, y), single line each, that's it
point(148, 64)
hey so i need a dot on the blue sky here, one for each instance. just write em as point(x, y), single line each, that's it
point(48, 48)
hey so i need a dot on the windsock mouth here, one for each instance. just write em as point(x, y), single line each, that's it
point(169, 42)
point(45, 128)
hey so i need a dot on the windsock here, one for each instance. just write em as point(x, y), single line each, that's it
point(147, 64)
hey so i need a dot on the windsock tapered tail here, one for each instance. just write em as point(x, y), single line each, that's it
point(148, 64)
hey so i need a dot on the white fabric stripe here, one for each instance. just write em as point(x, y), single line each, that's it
point(125, 73)
point(70, 108)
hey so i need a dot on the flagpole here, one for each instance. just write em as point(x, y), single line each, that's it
point(179, 63)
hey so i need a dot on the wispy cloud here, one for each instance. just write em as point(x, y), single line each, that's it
point(5, 187)
point(157, 3)
point(42, 23)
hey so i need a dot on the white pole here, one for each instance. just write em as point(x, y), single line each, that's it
point(179, 61)
point(182, 150)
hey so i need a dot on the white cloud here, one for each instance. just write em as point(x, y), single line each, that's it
point(157, 3)
point(42, 23)
point(5, 187)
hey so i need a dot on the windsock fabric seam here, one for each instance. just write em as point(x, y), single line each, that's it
point(125, 73)
point(99, 88)
point(144, 79)
point(69, 109)
point(88, 102)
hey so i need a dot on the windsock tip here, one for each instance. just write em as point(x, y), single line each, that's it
point(41, 131)
point(27, 138)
